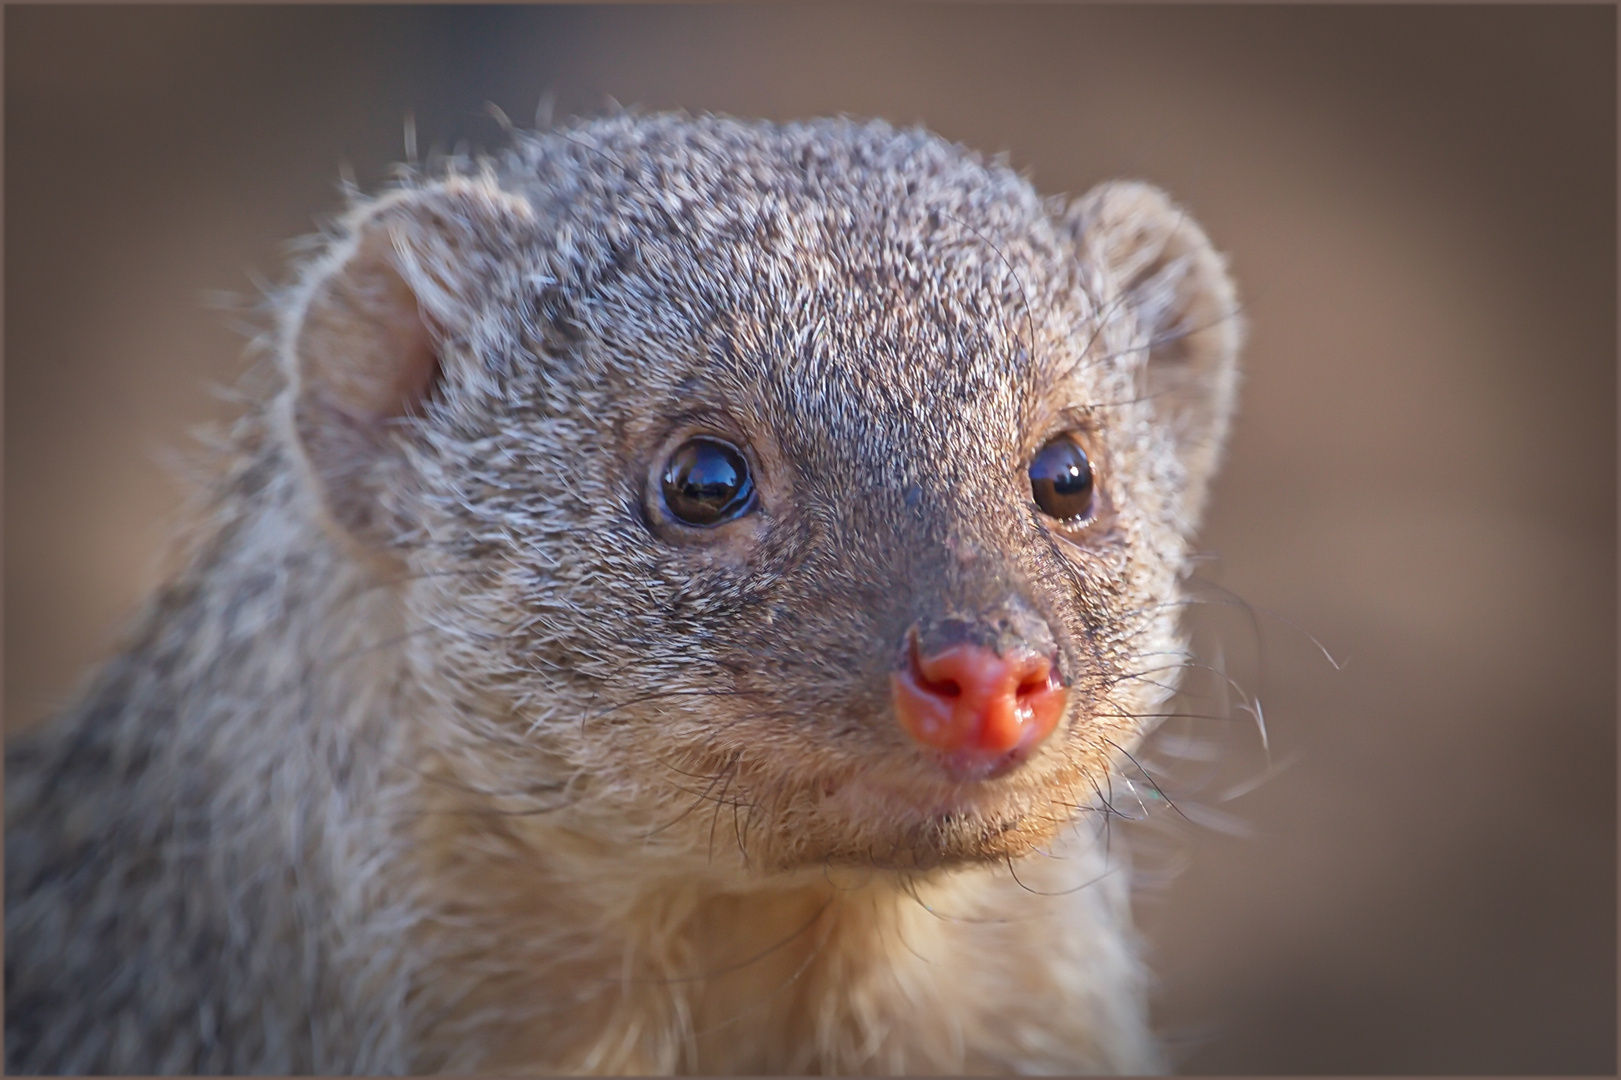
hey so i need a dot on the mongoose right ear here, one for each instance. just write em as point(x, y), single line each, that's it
point(367, 332)
point(1159, 263)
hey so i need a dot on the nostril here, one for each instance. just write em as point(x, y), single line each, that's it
point(946, 687)
point(1041, 678)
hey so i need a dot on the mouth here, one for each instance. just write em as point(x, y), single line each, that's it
point(974, 767)
point(926, 796)
point(902, 811)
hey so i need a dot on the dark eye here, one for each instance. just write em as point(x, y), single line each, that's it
point(1061, 480)
point(707, 482)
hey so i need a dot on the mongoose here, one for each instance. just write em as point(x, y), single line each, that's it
point(677, 605)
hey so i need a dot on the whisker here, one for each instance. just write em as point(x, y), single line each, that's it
point(720, 800)
point(1154, 783)
point(1059, 892)
point(702, 797)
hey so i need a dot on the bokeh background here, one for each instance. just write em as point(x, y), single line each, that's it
point(1419, 205)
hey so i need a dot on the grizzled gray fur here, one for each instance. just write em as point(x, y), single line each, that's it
point(446, 746)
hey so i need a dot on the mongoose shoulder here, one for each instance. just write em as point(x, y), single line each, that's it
point(677, 607)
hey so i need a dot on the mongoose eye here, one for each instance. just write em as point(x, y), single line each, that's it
point(1061, 480)
point(707, 482)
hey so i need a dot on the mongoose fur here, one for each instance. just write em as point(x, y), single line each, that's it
point(444, 748)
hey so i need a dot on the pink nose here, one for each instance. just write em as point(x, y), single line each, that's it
point(975, 707)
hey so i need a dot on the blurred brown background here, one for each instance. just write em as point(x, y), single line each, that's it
point(1420, 208)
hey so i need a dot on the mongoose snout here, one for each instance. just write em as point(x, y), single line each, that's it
point(983, 694)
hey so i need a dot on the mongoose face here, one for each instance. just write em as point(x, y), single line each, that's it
point(715, 463)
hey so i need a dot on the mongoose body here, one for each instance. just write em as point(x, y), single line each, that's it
point(679, 604)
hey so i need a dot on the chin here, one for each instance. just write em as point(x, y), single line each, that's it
point(895, 820)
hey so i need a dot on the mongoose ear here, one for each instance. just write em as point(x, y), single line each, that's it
point(368, 331)
point(1159, 263)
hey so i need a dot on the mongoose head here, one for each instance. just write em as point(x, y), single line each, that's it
point(771, 495)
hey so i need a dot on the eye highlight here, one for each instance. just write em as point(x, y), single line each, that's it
point(706, 482)
point(1061, 480)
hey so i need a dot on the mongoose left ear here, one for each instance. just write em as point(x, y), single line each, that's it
point(368, 331)
point(1159, 264)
